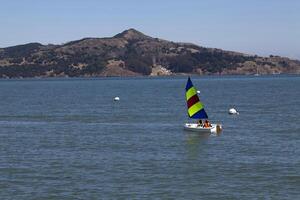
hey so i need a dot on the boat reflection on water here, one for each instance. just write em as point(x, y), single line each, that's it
point(196, 144)
point(193, 138)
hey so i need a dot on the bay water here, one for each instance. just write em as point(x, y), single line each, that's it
point(68, 139)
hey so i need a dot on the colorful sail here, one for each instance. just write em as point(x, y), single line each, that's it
point(195, 107)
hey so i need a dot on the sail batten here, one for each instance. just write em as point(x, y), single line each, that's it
point(195, 107)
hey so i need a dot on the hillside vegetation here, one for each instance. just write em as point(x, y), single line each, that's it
point(132, 53)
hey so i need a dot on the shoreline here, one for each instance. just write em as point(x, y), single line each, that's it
point(151, 77)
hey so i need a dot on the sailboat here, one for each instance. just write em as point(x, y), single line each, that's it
point(196, 111)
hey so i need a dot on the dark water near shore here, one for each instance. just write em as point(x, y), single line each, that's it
point(68, 139)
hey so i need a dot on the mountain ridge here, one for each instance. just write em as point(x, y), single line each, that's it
point(132, 53)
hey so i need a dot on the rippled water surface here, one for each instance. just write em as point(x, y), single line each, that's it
point(68, 139)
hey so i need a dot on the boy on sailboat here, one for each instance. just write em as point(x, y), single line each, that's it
point(200, 123)
point(207, 124)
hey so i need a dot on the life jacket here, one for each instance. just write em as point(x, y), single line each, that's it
point(206, 125)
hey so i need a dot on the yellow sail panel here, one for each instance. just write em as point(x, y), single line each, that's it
point(191, 92)
point(195, 108)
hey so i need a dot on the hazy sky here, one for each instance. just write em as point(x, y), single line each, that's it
point(260, 27)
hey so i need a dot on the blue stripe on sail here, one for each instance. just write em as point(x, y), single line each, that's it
point(201, 114)
point(189, 84)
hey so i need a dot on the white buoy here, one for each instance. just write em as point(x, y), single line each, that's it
point(233, 111)
point(198, 91)
point(117, 99)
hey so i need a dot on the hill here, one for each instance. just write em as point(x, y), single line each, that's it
point(132, 53)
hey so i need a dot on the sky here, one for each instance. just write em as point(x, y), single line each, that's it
point(261, 27)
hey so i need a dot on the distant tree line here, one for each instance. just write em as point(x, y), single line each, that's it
point(208, 61)
point(20, 51)
point(37, 70)
point(136, 62)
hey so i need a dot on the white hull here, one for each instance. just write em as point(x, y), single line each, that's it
point(216, 128)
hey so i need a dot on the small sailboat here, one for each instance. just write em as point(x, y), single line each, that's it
point(196, 111)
